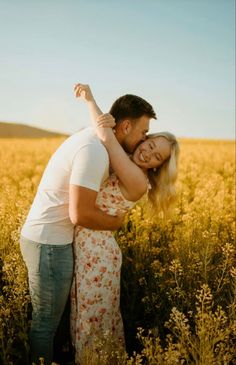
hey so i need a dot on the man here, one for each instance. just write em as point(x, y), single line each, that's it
point(66, 197)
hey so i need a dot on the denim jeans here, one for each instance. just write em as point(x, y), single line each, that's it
point(50, 271)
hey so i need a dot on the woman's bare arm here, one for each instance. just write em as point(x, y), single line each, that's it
point(130, 175)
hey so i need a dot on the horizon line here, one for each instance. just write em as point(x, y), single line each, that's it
point(71, 133)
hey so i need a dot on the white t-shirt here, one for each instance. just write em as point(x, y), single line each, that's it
point(80, 160)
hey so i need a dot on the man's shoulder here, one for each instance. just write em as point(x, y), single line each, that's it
point(88, 139)
point(87, 135)
point(84, 137)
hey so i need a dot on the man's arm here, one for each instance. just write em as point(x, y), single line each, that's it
point(89, 169)
point(83, 210)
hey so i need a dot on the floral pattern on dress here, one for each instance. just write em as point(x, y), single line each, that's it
point(95, 292)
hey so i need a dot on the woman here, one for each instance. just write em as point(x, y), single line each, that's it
point(95, 294)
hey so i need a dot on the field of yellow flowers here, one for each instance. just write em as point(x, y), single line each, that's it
point(178, 276)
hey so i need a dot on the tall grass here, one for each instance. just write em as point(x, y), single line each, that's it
point(178, 275)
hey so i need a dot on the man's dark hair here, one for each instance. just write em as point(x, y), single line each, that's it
point(131, 107)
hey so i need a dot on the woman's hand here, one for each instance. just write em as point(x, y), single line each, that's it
point(104, 124)
point(105, 121)
point(83, 92)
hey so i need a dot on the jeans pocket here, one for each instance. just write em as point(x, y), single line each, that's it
point(31, 252)
point(63, 260)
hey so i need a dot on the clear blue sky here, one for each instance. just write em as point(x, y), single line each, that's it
point(177, 54)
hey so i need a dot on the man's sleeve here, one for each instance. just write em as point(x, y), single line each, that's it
point(89, 166)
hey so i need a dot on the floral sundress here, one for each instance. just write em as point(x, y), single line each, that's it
point(95, 293)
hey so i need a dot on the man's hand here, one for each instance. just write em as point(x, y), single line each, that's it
point(120, 219)
point(84, 212)
point(83, 92)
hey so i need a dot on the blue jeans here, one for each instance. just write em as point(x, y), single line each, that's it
point(50, 271)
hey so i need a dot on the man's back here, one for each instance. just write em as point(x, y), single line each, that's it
point(73, 163)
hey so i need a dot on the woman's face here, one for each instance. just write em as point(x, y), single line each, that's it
point(152, 152)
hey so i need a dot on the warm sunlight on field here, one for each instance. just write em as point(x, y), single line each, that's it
point(178, 276)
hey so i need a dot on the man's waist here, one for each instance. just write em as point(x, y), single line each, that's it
point(53, 232)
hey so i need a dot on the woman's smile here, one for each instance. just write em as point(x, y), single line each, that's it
point(142, 157)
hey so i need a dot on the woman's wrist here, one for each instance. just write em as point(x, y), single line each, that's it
point(108, 138)
point(91, 102)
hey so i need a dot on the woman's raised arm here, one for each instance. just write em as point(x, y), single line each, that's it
point(131, 176)
point(84, 92)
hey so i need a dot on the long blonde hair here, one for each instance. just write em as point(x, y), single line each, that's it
point(162, 179)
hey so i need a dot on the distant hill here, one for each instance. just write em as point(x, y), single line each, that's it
point(11, 130)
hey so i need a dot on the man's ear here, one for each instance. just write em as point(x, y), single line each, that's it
point(126, 126)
